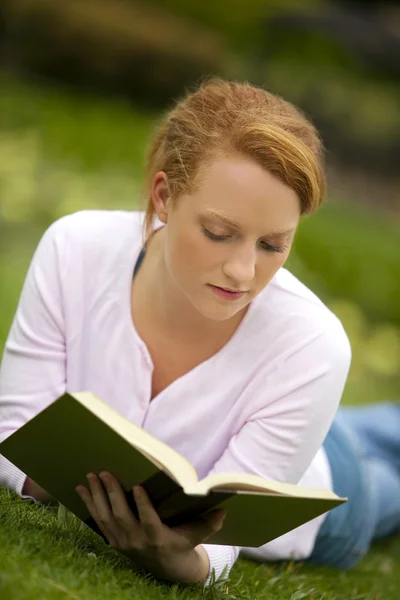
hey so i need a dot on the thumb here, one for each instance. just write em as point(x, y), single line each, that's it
point(216, 517)
point(199, 530)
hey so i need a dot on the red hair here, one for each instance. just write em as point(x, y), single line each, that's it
point(230, 118)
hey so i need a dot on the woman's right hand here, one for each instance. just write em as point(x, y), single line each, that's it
point(31, 488)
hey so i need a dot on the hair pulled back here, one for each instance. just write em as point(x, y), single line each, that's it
point(227, 118)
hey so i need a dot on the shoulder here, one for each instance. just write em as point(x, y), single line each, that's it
point(291, 299)
point(90, 226)
point(88, 245)
point(293, 319)
point(93, 234)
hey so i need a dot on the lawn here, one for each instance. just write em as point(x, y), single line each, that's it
point(46, 556)
point(54, 161)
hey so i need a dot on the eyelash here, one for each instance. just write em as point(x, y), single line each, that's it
point(222, 238)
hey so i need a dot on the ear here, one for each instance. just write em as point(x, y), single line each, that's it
point(160, 196)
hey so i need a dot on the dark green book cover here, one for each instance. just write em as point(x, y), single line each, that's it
point(79, 433)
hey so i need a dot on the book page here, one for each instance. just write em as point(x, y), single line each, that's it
point(162, 455)
point(250, 482)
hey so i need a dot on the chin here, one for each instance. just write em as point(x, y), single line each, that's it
point(218, 313)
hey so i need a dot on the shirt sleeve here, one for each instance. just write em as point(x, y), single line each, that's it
point(294, 407)
point(33, 372)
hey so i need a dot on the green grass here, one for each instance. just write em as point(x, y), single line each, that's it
point(45, 556)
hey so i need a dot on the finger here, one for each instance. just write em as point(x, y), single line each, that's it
point(100, 497)
point(216, 520)
point(104, 516)
point(217, 515)
point(122, 513)
point(200, 529)
point(209, 519)
point(87, 498)
point(210, 515)
point(149, 519)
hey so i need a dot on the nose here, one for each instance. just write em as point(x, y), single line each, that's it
point(240, 265)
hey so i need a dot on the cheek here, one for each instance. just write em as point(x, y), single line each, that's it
point(188, 254)
point(270, 266)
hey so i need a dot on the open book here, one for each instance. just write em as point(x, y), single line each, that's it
point(79, 433)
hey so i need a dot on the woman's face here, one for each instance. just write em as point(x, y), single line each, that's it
point(233, 233)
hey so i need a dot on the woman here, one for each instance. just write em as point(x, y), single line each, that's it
point(212, 346)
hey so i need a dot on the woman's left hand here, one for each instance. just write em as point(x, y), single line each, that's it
point(168, 553)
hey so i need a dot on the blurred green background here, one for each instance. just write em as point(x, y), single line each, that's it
point(82, 86)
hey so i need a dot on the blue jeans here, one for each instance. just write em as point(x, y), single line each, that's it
point(363, 449)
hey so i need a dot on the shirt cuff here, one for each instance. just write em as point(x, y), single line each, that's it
point(12, 477)
point(220, 557)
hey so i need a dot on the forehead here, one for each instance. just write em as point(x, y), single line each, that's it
point(241, 190)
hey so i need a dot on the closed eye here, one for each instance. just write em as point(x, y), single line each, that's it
point(269, 248)
point(264, 245)
point(214, 236)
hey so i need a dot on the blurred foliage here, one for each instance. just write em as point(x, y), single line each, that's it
point(74, 128)
point(61, 152)
point(237, 21)
point(121, 47)
point(358, 112)
point(330, 59)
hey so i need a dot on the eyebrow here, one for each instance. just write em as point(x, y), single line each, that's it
point(236, 225)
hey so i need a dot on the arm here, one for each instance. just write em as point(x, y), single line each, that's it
point(290, 412)
point(33, 490)
point(32, 373)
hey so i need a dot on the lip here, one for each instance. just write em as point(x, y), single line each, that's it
point(226, 294)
